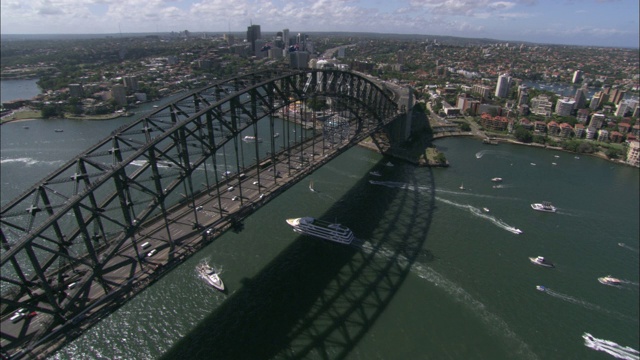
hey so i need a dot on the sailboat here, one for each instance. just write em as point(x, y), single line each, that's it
point(311, 186)
point(461, 186)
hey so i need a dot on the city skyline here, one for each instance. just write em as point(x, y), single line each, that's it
point(589, 22)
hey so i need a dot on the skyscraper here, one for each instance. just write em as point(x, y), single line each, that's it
point(253, 34)
point(502, 87)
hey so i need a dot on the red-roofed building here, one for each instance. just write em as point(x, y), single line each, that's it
point(553, 128)
point(566, 130)
point(579, 130)
point(526, 123)
point(624, 127)
point(616, 137)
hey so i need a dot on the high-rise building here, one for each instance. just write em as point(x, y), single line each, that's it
point(523, 99)
point(131, 83)
point(285, 38)
point(253, 34)
point(597, 120)
point(597, 99)
point(577, 76)
point(502, 87)
point(580, 98)
point(481, 90)
point(565, 106)
point(299, 60)
point(616, 95)
point(119, 94)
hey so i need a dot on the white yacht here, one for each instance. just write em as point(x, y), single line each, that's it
point(544, 206)
point(322, 229)
point(210, 275)
point(609, 280)
point(497, 179)
point(541, 288)
point(540, 260)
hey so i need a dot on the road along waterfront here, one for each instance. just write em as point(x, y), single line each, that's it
point(436, 277)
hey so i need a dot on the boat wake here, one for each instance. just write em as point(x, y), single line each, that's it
point(502, 154)
point(587, 305)
point(623, 245)
point(610, 347)
point(401, 185)
point(480, 213)
point(491, 320)
point(629, 282)
point(30, 162)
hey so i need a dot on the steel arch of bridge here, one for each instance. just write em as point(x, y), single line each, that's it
point(79, 217)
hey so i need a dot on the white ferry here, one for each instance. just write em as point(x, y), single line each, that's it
point(544, 206)
point(210, 275)
point(322, 229)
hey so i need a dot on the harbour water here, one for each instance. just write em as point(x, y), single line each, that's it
point(18, 89)
point(436, 277)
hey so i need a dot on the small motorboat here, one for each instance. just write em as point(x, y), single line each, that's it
point(554, 164)
point(58, 130)
point(389, 164)
point(609, 280)
point(540, 260)
point(544, 206)
point(210, 275)
point(533, 164)
point(541, 288)
point(462, 186)
point(497, 179)
point(374, 173)
point(485, 209)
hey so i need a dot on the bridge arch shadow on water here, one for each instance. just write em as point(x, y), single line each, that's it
point(318, 299)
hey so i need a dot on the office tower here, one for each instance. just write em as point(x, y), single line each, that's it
point(253, 34)
point(285, 38)
point(502, 87)
point(577, 76)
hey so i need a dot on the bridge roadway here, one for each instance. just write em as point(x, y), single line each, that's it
point(128, 276)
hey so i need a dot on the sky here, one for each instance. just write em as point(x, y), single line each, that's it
point(573, 22)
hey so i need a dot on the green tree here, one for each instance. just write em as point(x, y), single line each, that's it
point(613, 153)
point(465, 127)
point(523, 135)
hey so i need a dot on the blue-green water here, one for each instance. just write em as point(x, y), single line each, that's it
point(436, 278)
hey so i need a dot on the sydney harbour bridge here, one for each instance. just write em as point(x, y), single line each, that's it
point(98, 230)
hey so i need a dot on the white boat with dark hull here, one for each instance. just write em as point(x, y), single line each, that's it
point(497, 179)
point(210, 275)
point(322, 229)
point(544, 206)
point(540, 260)
point(609, 280)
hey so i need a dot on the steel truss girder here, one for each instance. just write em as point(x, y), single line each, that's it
point(113, 188)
